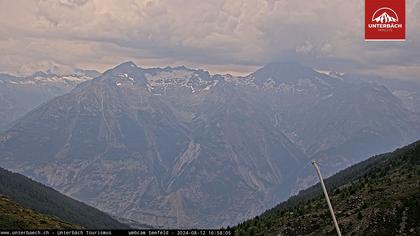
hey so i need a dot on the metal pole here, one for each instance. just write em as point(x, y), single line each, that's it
point(326, 197)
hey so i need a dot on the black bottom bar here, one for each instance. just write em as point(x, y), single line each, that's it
point(140, 232)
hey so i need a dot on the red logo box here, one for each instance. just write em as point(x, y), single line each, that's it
point(385, 20)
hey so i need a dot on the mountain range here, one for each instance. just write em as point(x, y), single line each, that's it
point(180, 147)
point(408, 91)
point(20, 94)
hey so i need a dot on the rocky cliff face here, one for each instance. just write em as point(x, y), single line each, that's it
point(183, 148)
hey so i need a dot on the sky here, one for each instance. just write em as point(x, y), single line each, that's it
point(222, 36)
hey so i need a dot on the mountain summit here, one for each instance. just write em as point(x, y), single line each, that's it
point(128, 65)
point(282, 71)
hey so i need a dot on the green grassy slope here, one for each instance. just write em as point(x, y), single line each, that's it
point(15, 216)
point(380, 196)
point(45, 200)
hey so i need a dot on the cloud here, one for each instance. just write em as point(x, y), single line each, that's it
point(223, 35)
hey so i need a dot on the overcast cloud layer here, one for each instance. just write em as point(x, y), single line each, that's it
point(226, 36)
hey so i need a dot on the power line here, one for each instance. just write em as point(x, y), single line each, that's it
point(326, 197)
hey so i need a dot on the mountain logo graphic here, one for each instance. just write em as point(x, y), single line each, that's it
point(385, 15)
point(385, 20)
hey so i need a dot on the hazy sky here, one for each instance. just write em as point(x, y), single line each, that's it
point(234, 36)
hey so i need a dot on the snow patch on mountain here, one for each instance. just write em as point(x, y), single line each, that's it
point(334, 74)
point(160, 81)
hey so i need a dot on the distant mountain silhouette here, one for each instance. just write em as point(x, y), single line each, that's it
point(385, 18)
